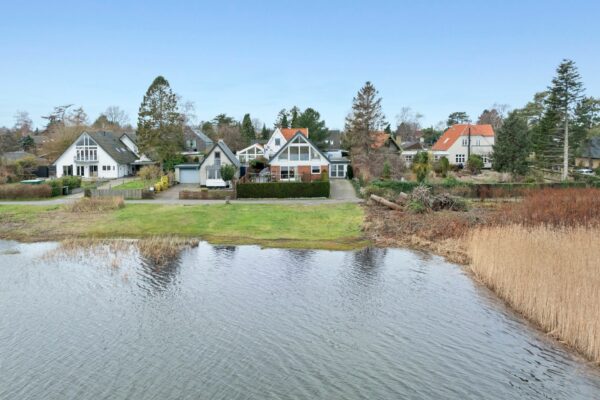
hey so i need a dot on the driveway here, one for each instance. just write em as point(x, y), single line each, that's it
point(342, 190)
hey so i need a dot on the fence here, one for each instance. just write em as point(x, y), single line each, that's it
point(207, 194)
point(132, 194)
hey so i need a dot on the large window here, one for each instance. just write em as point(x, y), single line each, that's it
point(460, 158)
point(86, 149)
point(213, 173)
point(287, 173)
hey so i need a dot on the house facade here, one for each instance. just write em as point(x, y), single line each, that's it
point(98, 155)
point(298, 160)
point(195, 141)
point(590, 154)
point(250, 153)
point(410, 150)
point(461, 139)
point(280, 137)
point(210, 168)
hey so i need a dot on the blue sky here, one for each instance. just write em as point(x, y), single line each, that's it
point(236, 57)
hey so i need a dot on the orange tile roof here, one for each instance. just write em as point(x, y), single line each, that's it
point(455, 131)
point(289, 133)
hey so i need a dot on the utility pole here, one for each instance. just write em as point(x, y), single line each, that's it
point(469, 142)
point(565, 171)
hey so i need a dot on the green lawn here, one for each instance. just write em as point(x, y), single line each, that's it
point(335, 226)
point(135, 184)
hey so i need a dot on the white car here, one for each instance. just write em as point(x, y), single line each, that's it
point(585, 171)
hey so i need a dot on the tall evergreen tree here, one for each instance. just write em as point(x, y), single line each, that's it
point(511, 148)
point(282, 119)
point(567, 90)
point(264, 134)
point(247, 129)
point(160, 130)
point(366, 118)
point(317, 131)
point(459, 117)
point(295, 114)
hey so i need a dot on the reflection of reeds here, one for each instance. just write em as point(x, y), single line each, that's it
point(550, 275)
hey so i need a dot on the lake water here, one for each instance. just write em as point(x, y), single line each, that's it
point(251, 323)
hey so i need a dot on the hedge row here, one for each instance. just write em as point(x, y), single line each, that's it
point(72, 182)
point(22, 191)
point(282, 190)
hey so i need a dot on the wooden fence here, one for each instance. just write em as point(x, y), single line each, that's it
point(132, 194)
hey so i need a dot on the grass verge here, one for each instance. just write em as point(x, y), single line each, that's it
point(134, 184)
point(335, 226)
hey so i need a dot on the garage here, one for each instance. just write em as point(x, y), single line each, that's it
point(187, 173)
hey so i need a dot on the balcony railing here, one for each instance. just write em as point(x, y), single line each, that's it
point(85, 159)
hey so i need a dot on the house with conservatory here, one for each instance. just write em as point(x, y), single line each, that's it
point(102, 154)
point(297, 158)
point(462, 139)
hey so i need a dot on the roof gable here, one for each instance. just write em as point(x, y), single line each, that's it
point(221, 145)
point(113, 146)
point(381, 139)
point(289, 133)
point(452, 134)
point(305, 139)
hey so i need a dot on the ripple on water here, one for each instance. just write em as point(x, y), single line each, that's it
point(228, 322)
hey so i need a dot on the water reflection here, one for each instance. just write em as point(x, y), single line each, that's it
point(224, 254)
point(158, 277)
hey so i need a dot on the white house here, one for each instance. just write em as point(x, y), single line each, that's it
point(280, 137)
point(461, 139)
point(298, 159)
point(210, 168)
point(339, 163)
point(250, 153)
point(98, 154)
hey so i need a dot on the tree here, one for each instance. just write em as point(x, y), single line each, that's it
point(23, 123)
point(57, 116)
point(568, 91)
point(387, 170)
point(116, 116)
point(317, 131)
point(408, 124)
point(227, 172)
point(160, 129)
point(475, 163)
point(264, 134)
point(512, 145)
point(459, 117)
point(431, 135)
point(78, 117)
point(27, 143)
point(294, 114)
point(228, 129)
point(282, 119)
point(493, 117)
point(365, 119)
point(421, 165)
point(247, 130)
point(102, 123)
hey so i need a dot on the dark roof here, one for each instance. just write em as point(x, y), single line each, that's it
point(335, 136)
point(227, 151)
point(415, 145)
point(305, 138)
point(113, 146)
point(189, 131)
point(592, 148)
point(130, 135)
point(187, 166)
point(18, 155)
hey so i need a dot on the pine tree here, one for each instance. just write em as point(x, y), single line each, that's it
point(264, 134)
point(282, 119)
point(567, 90)
point(160, 130)
point(317, 131)
point(459, 117)
point(366, 118)
point(388, 130)
point(512, 148)
point(295, 114)
point(247, 129)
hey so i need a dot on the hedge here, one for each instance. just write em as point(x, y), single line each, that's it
point(72, 182)
point(282, 190)
point(22, 191)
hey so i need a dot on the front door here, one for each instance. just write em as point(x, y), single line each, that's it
point(93, 170)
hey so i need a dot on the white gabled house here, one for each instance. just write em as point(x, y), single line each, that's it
point(210, 168)
point(280, 137)
point(100, 155)
point(461, 139)
point(250, 153)
point(298, 159)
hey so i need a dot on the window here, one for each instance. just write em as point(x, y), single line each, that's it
point(80, 170)
point(114, 168)
point(304, 151)
point(217, 157)
point(315, 169)
point(465, 142)
point(277, 142)
point(486, 159)
point(213, 173)
point(460, 158)
point(287, 173)
point(408, 157)
point(315, 155)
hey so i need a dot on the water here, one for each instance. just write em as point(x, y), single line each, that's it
point(246, 323)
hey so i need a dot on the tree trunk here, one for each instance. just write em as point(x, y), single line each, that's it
point(386, 203)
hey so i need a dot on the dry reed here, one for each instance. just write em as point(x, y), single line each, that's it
point(551, 275)
point(162, 250)
point(96, 204)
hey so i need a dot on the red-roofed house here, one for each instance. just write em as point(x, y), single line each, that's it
point(454, 143)
point(280, 137)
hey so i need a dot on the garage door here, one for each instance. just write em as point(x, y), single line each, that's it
point(189, 176)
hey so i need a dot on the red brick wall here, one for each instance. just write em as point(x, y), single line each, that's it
point(304, 171)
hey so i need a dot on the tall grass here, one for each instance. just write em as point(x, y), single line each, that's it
point(96, 204)
point(549, 274)
point(22, 191)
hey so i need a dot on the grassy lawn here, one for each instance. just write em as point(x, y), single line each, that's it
point(135, 184)
point(336, 226)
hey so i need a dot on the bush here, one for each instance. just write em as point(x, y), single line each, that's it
point(474, 164)
point(97, 204)
point(396, 186)
point(387, 170)
point(258, 164)
point(281, 190)
point(170, 162)
point(73, 182)
point(421, 166)
point(22, 191)
point(441, 167)
point(227, 172)
point(324, 176)
point(149, 173)
point(386, 193)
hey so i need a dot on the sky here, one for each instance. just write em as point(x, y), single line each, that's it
point(238, 57)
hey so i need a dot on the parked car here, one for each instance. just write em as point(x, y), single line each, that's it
point(585, 171)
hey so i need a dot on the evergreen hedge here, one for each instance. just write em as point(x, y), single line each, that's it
point(282, 190)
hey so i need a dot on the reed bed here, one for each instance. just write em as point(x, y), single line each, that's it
point(549, 274)
point(162, 250)
point(96, 204)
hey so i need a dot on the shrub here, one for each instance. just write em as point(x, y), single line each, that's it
point(258, 164)
point(96, 204)
point(421, 166)
point(416, 207)
point(22, 191)
point(445, 166)
point(387, 170)
point(72, 182)
point(350, 172)
point(149, 172)
point(227, 172)
point(283, 190)
point(324, 176)
point(170, 162)
point(475, 164)
point(386, 193)
point(397, 186)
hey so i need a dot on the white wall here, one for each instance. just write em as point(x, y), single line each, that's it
point(480, 145)
point(210, 161)
point(271, 148)
point(68, 158)
point(129, 143)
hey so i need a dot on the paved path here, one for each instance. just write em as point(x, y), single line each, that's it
point(342, 189)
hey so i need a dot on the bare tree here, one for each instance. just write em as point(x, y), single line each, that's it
point(408, 124)
point(116, 116)
point(188, 111)
point(23, 123)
